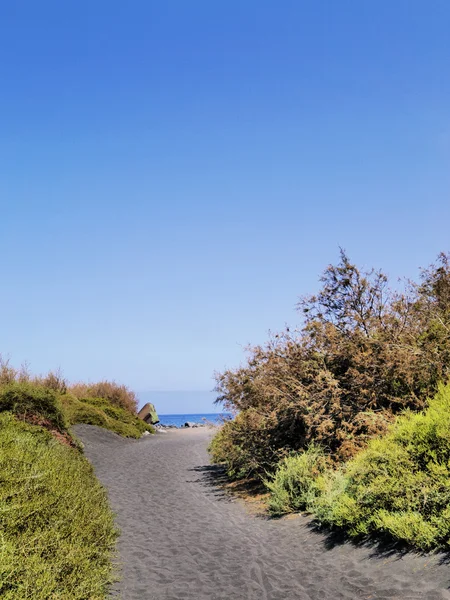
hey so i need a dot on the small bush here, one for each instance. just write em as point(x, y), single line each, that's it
point(294, 485)
point(399, 485)
point(245, 446)
point(33, 403)
point(118, 395)
point(56, 530)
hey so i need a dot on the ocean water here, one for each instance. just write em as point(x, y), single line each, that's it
point(180, 420)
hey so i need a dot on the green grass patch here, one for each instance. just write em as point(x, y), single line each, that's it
point(29, 401)
point(100, 412)
point(57, 531)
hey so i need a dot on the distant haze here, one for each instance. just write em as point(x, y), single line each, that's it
point(187, 402)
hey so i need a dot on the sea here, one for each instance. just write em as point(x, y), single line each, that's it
point(170, 405)
point(180, 420)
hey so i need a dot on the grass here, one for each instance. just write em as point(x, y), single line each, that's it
point(100, 412)
point(28, 401)
point(57, 531)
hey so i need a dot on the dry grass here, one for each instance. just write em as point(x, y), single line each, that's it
point(117, 394)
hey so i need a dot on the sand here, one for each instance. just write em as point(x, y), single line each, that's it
point(183, 538)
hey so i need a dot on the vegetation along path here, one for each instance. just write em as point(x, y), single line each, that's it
point(182, 538)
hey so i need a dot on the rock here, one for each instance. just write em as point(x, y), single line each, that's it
point(148, 414)
point(190, 424)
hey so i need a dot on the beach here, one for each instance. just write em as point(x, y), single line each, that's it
point(184, 538)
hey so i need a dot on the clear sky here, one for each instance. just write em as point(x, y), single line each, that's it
point(174, 174)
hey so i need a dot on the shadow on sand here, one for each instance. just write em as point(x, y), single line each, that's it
point(218, 483)
point(379, 546)
point(382, 547)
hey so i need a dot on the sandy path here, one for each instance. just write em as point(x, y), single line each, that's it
point(182, 539)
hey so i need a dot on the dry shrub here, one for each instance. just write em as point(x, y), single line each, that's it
point(54, 380)
point(9, 374)
point(363, 354)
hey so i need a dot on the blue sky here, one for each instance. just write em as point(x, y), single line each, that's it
point(173, 175)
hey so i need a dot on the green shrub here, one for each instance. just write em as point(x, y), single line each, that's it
point(399, 485)
point(98, 411)
point(33, 403)
point(294, 486)
point(56, 530)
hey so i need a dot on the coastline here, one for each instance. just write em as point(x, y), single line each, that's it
point(179, 420)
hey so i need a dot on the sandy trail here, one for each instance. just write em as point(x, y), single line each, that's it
point(183, 539)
